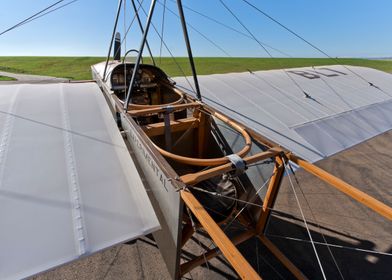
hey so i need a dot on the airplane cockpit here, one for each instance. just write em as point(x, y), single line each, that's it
point(151, 87)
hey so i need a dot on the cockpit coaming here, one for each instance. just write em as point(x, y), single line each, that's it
point(152, 86)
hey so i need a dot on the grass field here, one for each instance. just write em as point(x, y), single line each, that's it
point(4, 78)
point(78, 68)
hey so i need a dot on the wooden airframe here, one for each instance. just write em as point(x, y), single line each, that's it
point(183, 185)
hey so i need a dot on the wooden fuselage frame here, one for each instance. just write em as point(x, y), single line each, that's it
point(176, 189)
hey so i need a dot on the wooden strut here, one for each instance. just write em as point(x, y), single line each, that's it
point(188, 266)
point(224, 244)
point(194, 178)
point(155, 129)
point(269, 200)
point(201, 135)
point(163, 108)
point(238, 262)
point(282, 258)
point(187, 233)
point(271, 195)
point(227, 247)
point(363, 198)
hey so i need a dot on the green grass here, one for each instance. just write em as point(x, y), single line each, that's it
point(78, 68)
point(4, 78)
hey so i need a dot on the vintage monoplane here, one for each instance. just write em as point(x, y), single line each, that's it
point(76, 158)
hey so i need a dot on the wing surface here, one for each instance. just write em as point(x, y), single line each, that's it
point(68, 186)
point(341, 109)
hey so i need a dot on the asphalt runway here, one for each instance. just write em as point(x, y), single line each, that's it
point(26, 78)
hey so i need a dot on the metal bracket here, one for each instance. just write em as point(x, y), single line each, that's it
point(238, 163)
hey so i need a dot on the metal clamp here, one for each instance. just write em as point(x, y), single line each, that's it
point(238, 164)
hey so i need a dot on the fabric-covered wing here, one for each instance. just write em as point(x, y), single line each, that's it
point(342, 109)
point(68, 186)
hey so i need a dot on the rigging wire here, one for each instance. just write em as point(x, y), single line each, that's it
point(198, 241)
point(315, 219)
point(264, 48)
point(296, 100)
point(167, 48)
point(142, 31)
point(331, 245)
point(125, 24)
point(125, 36)
point(253, 199)
point(304, 220)
point(265, 260)
point(201, 34)
point(271, 266)
point(162, 30)
point(247, 203)
point(309, 43)
point(230, 28)
point(125, 42)
point(227, 197)
point(112, 40)
point(183, 136)
point(49, 12)
point(331, 88)
point(38, 15)
point(25, 20)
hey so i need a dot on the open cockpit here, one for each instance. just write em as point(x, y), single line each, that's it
point(151, 88)
point(184, 131)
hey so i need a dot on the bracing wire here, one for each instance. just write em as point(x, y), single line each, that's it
point(271, 266)
point(231, 28)
point(200, 33)
point(162, 30)
point(227, 197)
point(142, 30)
point(25, 20)
point(198, 241)
point(331, 88)
point(247, 203)
point(130, 25)
point(49, 12)
point(168, 50)
point(307, 42)
point(317, 223)
point(125, 35)
point(304, 220)
point(125, 23)
point(125, 41)
point(360, 250)
point(264, 48)
point(38, 15)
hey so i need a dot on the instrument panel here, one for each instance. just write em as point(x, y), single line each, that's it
point(122, 75)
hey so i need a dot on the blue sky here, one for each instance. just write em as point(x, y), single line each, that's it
point(349, 28)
